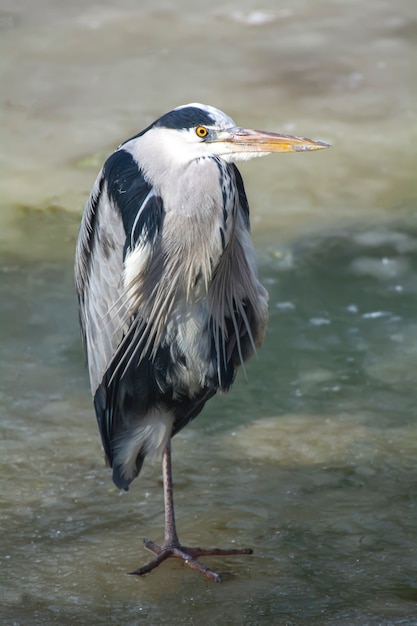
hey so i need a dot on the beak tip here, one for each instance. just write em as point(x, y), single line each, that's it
point(323, 144)
point(314, 145)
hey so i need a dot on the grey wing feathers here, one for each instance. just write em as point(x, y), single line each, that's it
point(99, 276)
point(123, 215)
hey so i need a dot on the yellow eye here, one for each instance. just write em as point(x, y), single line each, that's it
point(201, 131)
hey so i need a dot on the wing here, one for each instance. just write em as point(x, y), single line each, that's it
point(98, 278)
point(123, 213)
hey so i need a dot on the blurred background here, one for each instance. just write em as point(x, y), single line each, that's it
point(311, 458)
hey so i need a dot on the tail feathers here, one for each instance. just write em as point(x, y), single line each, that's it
point(119, 477)
point(125, 460)
point(129, 447)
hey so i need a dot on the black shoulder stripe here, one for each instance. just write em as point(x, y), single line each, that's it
point(148, 222)
point(126, 185)
point(140, 209)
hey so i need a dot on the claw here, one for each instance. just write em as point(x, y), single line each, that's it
point(188, 556)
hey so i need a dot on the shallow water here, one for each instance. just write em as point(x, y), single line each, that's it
point(311, 458)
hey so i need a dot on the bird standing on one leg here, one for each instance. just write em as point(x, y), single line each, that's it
point(169, 300)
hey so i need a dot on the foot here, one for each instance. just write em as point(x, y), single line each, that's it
point(188, 555)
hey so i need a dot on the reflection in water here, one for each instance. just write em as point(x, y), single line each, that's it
point(311, 460)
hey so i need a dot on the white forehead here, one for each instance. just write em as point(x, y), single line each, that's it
point(221, 119)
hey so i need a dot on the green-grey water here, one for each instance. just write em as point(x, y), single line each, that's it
point(311, 458)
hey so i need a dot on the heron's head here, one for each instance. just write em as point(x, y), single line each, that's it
point(196, 130)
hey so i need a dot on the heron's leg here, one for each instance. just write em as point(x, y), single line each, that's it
point(171, 548)
point(171, 537)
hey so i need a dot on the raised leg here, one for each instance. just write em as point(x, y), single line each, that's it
point(171, 547)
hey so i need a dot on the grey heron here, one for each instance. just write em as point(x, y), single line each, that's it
point(170, 304)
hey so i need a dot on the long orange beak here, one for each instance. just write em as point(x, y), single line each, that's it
point(247, 140)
